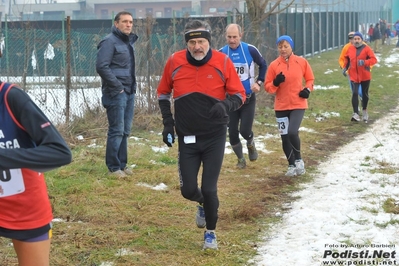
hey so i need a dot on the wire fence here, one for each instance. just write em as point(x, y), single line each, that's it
point(54, 61)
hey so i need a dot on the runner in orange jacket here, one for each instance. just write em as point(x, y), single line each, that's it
point(341, 59)
point(291, 78)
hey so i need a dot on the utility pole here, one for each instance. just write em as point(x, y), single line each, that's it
point(9, 7)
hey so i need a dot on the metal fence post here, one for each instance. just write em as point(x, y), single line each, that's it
point(148, 31)
point(6, 48)
point(68, 70)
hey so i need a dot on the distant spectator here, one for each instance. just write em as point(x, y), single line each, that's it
point(388, 36)
point(397, 31)
point(376, 38)
point(383, 28)
point(370, 33)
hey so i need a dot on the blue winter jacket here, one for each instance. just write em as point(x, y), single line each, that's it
point(116, 63)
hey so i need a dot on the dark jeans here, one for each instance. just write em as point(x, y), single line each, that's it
point(208, 151)
point(246, 114)
point(120, 110)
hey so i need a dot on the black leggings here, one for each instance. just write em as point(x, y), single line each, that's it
point(246, 113)
point(355, 95)
point(210, 152)
point(291, 142)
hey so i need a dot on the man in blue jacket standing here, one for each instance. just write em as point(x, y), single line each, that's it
point(116, 67)
point(244, 56)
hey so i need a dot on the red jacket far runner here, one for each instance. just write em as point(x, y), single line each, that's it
point(356, 72)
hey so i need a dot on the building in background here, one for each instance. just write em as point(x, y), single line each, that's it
point(395, 10)
point(104, 9)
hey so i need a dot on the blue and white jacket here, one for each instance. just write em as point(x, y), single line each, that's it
point(244, 57)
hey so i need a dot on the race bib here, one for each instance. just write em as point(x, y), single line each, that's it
point(242, 70)
point(282, 124)
point(189, 139)
point(11, 182)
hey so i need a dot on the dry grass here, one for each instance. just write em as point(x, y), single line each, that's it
point(104, 218)
point(391, 206)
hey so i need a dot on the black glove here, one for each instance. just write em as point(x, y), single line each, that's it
point(168, 132)
point(232, 103)
point(168, 135)
point(279, 78)
point(218, 110)
point(304, 93)
point(344, 72)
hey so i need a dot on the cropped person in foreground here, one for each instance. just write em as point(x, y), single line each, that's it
point(29, 146)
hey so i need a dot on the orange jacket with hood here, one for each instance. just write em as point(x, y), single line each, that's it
point(344, 50)
point(354, 54)
point(298, 75)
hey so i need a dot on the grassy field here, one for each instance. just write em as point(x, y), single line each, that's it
point(107, 221)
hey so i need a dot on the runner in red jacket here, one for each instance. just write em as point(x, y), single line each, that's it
point(199, 79)
point(358, 62)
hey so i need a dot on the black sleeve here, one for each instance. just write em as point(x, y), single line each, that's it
point(50, 152)
point(167, 117)
point(260, 61)
point(233, 102)
point(347, 64)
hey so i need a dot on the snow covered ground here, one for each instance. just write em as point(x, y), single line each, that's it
point(338, 219)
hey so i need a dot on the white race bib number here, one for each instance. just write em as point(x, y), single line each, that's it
point(282, 124)
point(189, 139)
point(11, 182)
point(242, 70)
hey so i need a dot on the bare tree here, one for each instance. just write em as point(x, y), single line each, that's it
point(259, 10)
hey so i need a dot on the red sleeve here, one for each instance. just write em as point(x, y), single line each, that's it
point(164, 89)
point(372, 59)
